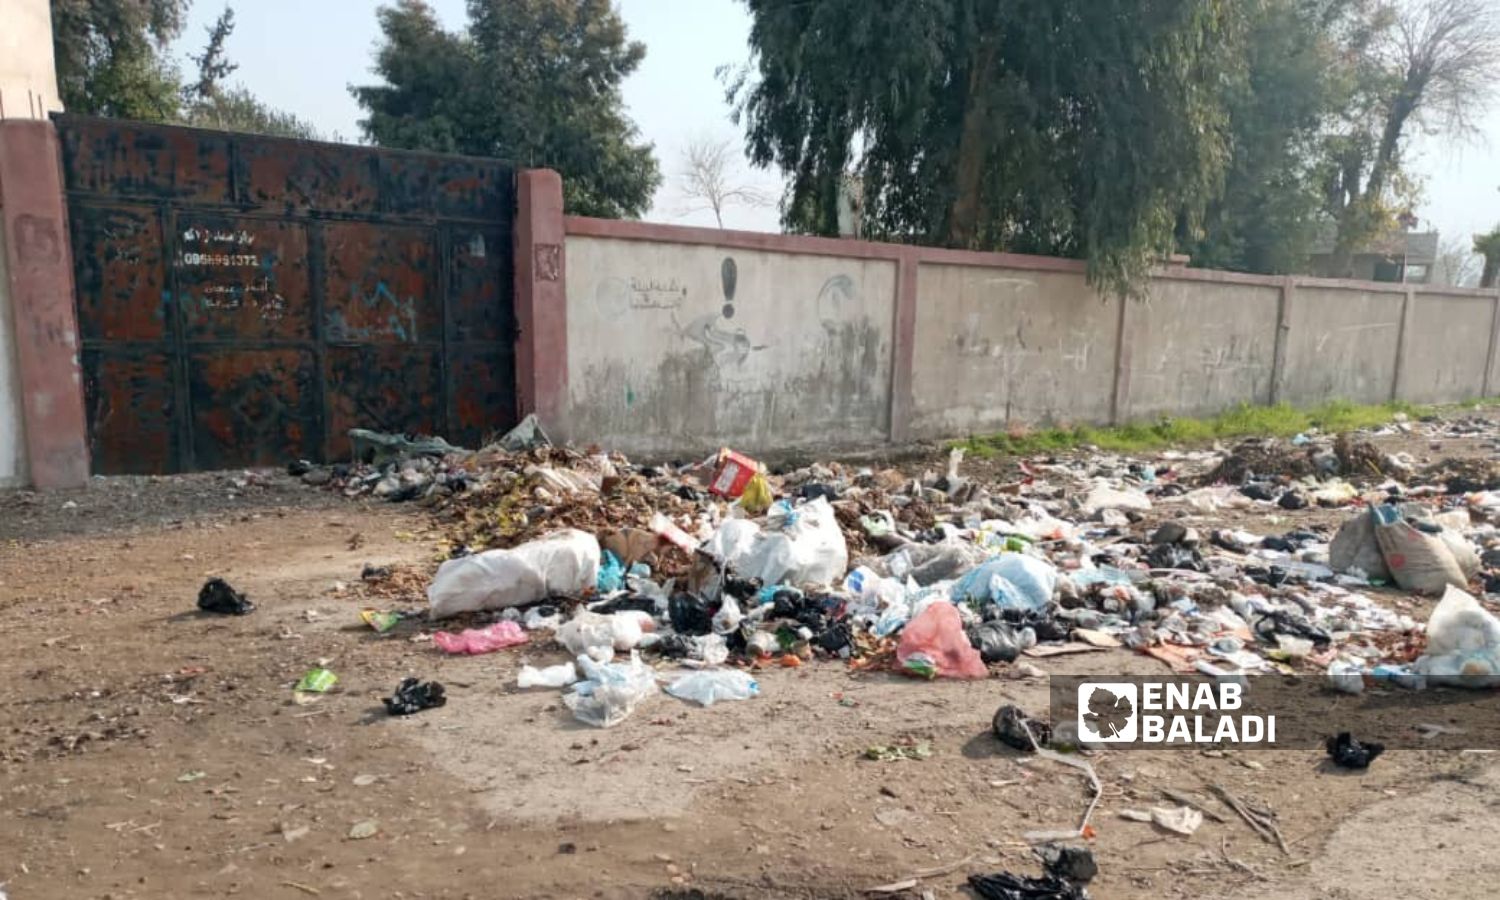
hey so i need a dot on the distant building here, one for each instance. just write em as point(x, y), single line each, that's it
point(1405, 256)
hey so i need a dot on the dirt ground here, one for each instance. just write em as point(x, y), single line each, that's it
point(149, 751)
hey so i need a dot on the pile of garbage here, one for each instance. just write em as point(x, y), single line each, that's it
point(720, 566)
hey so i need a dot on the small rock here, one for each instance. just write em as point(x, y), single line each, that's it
point(362, 830)
point(317, 477)
point(1169, 533)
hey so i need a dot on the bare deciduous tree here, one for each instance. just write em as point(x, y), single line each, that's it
point(1457, 264)
point(1434, 65)
point(711, 179)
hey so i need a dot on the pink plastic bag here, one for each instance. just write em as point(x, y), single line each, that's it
point(934, 645)
point(481, 640)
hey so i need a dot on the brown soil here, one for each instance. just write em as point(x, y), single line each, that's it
point(121, 694)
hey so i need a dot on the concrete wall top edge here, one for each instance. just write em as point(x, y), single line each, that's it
point(619, 229)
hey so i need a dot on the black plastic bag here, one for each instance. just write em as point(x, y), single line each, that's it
point(627, 603)
point(1007, 886)
point(1350, 753)
point(690, 614)
point(1069, 862)
point(1011, 725)
point(814, 491)
point(1257, 490)
point(413, 696)
point(1175, 556)
point(998, 641)
point(1279, 622)
point(217, 596)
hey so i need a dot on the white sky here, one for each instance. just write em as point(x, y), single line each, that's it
point(301, 56)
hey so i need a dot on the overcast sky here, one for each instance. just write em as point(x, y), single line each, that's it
point(301, 56)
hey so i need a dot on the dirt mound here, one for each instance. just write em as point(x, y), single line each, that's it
point(1260, 458)
point(1464, 476)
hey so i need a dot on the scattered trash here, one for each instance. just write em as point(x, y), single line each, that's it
point(475, 641)
point(610, 692)
point(1008, 886)
point(1463, 643)
point(1183, 820)
point(934, 645)
point(1349, 753)
point(188, 777)
point(217, 596)
point(733, 474)
point(527, 435)
point(413, 695)
point(708, 687)
point(557, 676)
point(1070, 863)
point(563, 563)
point(382, 622)
point(316, 681)
point(1015, 729)
point(1420, 562)
point(899, 751)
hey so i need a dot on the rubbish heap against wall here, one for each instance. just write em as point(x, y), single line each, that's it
point(680, 339)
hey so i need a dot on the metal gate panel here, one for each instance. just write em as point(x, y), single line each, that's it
point(240, 278)
point(128, 395)
point(251, 407)
point(244, 300)
point(118, 273)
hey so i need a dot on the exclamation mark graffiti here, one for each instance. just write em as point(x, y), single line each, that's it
point(729, 275)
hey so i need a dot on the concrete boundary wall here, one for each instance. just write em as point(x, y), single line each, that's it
point(957, 343)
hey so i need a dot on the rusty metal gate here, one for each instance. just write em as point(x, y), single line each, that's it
point(245, 300)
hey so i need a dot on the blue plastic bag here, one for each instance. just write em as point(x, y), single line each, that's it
point(611, 573)
point(1010, 580)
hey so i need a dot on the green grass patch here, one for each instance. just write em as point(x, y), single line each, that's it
point(1243, 421)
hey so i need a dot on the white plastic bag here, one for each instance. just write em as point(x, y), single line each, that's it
point(1463, 643)
point(733, 539)
point(557, 676)
point(809, 549)
point(599, 636)
point(708, 687)
point(566, 562)
point(1103, 496)
point(610, 691)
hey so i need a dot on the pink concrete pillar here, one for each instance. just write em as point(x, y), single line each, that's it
point(40, 268)
point(541, 299)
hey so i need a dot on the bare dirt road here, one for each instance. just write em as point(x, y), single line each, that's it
point(149, 751)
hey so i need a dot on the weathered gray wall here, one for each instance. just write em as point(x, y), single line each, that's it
point(1447, 345)
point(1341, 343)
point(660, 360)
point(1000, 345)
point(1197, 348)
point(828, 347)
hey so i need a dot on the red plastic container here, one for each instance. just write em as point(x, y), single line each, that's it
point(734, 472)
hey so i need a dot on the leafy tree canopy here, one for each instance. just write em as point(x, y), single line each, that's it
point(1081, 128)
point(112, 60)
point(533, 81)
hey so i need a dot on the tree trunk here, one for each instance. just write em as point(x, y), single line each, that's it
point(1491, 270)
point(963, 221)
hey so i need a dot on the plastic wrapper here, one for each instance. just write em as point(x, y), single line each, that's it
point(709, 687)
point(610, 692)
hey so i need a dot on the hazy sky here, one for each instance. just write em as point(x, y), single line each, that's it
point(301, 55)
